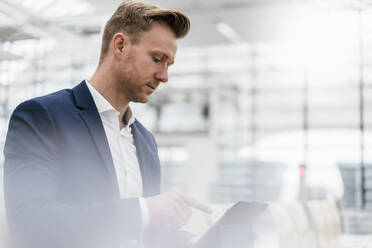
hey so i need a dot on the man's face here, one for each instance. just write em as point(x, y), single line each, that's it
point(145, 64)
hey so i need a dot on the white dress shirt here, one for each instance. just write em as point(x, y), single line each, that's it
point(123, 152)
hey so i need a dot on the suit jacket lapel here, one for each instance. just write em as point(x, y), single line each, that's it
point(89, 113)
point(146, 159)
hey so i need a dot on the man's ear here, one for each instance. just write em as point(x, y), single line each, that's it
point(119, 42)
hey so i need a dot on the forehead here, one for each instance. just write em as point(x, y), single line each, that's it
point(159, 38)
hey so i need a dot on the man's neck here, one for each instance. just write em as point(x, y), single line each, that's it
point(107, 87)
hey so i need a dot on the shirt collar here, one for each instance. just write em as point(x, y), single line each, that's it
point(128, 118)
point(104, 106)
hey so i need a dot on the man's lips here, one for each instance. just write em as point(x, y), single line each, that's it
point(150, 86)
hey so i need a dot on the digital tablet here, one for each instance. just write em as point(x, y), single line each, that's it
point(235, 228)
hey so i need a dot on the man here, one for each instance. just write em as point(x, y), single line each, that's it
point(77, 162)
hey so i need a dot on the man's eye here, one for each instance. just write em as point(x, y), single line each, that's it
point(156, 59)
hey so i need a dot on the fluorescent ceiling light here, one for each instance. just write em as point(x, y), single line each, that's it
point(227, 31)
point(52, 9)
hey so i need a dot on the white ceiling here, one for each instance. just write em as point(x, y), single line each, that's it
point(252, 20)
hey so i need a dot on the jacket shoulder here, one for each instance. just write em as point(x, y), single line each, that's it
point(47, 102)
point(59, 97)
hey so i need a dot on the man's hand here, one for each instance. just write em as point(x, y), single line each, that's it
point(173, 208)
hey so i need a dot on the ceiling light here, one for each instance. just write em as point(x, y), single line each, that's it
point(227, 31)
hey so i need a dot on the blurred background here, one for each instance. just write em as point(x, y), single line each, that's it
point(269, 100)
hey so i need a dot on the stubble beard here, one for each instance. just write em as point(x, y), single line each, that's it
point(128, 81)
point(130, 86)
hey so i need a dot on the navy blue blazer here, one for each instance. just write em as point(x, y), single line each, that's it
point(59, 179)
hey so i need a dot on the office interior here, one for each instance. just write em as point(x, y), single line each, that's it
point(268, 100)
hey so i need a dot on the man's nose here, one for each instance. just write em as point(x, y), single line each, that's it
point(162, 75)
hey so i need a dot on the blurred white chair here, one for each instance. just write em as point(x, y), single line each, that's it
point(301, 223)
point(285, 226)
point(327, 221)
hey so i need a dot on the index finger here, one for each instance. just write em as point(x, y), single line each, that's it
point(196, 204)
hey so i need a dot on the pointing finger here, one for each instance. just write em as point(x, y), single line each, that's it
point(196, 204)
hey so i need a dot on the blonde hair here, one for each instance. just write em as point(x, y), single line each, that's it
point(135, 17)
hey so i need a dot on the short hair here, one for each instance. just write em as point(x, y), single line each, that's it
point(135, 17)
